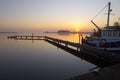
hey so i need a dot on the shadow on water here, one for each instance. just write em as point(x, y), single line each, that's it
point(87, 57)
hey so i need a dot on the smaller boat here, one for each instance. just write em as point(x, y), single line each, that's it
point(107, 38)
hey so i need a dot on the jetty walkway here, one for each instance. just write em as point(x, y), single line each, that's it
point(23, 37)
point(75, 48)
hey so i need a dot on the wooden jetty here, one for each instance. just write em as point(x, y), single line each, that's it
point(20, 37)
point(110, 57)
point(75, 48)
point(85, 56)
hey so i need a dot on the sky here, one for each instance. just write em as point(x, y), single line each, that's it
point(53, 15)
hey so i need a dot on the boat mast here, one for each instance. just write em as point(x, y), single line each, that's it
point(109, 10)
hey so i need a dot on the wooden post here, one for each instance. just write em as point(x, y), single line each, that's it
point(79, 38)
point(81, 48)
point(66, 43)
point(78, 48)
point(32, 36)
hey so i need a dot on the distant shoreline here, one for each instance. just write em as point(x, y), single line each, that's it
point(71, 32)
point(8, 32)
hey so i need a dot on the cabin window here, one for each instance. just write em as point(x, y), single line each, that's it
point(109, 33)
point(114, 33)
point(104, 33)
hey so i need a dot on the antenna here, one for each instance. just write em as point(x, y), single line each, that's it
point(109, 10)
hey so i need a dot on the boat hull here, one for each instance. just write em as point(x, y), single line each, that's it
point(103, 48)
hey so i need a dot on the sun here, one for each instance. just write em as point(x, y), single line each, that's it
point(77, 29)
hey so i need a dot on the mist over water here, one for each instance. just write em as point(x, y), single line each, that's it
point(39, 60)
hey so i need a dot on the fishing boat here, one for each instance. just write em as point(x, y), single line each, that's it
point(107, 38)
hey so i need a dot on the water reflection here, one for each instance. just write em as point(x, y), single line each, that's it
point(24, 60)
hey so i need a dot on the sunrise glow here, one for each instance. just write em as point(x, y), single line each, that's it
point(42, 15)
point(77, 28)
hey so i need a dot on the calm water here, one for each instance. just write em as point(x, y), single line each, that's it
point(39, 60)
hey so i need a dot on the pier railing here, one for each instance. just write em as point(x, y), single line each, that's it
point(65, 43)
